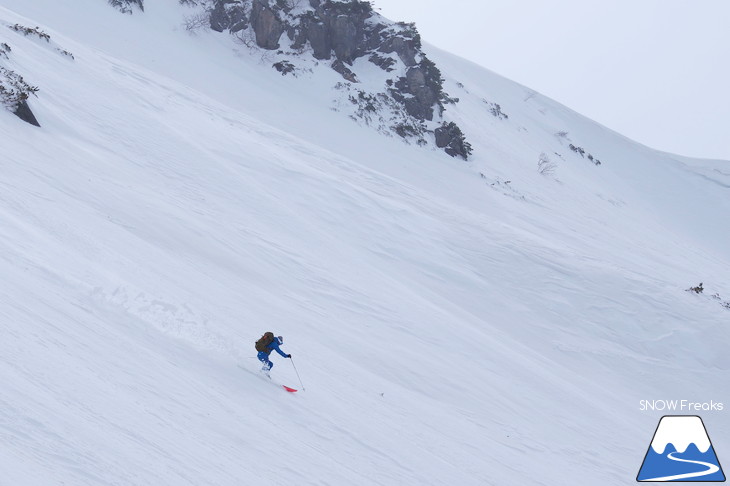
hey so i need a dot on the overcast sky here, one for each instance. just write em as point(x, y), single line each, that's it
point(657, 71)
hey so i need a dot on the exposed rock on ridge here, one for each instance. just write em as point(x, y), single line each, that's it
point(342, 32)
point(266, 25)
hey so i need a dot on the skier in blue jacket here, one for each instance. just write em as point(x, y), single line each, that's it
point(272, 346)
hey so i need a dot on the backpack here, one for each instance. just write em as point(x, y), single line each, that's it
point(265, 340)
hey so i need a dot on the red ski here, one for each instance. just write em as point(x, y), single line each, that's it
point(290, 390)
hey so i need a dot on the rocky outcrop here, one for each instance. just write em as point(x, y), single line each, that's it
point(450, 138)
point(344, 71)
point(384, 63)
point(228, 15)
point(406, 43)
point(345, 38)
point(425, 86)
point(284, 67)
point(266, 25)
point(343, 31)
point(24, 112)
point(318, 35)
point(335, 28)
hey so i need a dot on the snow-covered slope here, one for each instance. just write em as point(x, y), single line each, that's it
point(453, 323)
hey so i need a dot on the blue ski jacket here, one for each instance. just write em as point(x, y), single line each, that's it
point(274, 346)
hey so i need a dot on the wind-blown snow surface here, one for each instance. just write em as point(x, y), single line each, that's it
point(450, 327)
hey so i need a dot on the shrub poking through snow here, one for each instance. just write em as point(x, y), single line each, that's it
point(14, 89)
point(126, 6)
point(30, 31)
point(581, 151)
point(14, 94)
point(697, 290)
point(545, 166)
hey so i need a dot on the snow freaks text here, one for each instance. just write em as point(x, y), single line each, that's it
point(680, 406)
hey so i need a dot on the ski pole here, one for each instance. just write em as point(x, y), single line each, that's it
point(297, 372)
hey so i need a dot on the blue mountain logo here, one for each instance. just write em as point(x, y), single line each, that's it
point(681, 451)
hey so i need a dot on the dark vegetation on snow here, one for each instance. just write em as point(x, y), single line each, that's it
point(284, 67)
point(563, 136)
point(30, 31)
point(127, 6)
point(545, 165)
point(14, 89)
point(496, 110)
point(581, 151)
point(699, 289)
point(14, 94)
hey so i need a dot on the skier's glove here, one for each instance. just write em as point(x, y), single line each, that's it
point(288, 355)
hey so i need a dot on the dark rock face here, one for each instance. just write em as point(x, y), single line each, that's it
point(344, 31)
point(442, 137)
point(218, 18)
point(424, 93)
point(450, 138)
point(228, 14)
point(319, 38)
point(340, 27)
point(384, 63)
point(345, 38)
point(284, 67)
point(344, 71)
point(24, 112)
point(266, 25)
point(405, 48)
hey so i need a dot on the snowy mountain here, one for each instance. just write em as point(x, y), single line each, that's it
point(494, 320)
point(681, 432)
point(681, 450)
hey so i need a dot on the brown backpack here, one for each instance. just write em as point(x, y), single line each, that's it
point(265, 340)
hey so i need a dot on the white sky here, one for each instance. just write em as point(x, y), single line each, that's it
point(657, 71)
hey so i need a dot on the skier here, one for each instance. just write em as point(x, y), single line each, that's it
point(265, 346)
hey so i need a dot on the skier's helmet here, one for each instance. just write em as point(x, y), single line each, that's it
point(281, 340)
